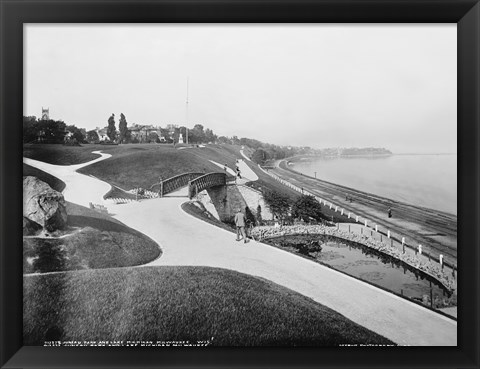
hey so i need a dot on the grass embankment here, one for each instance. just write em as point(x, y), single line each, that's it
point(53, 182)
point(60, 154)
point(92, 240)
point(142, 165)
point(179, 304)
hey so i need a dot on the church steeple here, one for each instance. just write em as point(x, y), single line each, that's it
point(45, 114)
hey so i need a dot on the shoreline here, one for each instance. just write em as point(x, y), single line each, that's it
point(347, 188)
point(435, 230)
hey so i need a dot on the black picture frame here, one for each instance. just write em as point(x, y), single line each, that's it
point(466, 13)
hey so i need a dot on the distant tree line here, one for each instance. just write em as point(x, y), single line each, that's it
point(196, 135)
point(52, 131)
point(57, 131)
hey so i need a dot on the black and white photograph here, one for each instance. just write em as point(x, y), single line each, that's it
point(249, 185)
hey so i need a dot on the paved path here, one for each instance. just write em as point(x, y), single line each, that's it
point(248, 175)
point(186, 240)
point(80, 189)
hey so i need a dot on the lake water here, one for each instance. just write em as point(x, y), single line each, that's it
point(423, 180)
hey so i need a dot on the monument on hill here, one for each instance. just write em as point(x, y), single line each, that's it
point(180, 139)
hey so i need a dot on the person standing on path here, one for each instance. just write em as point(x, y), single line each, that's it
point(240, 224)
point(237, 169)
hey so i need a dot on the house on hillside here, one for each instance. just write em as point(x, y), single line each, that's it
point(144, 133)
point(102, 134)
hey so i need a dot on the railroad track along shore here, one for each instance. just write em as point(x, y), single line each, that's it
point(435, 230)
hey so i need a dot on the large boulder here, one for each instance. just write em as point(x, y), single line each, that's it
point(43, 205)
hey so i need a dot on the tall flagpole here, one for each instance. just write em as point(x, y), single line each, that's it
point(186, 125)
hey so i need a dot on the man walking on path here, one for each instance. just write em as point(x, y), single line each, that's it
point(240, 224)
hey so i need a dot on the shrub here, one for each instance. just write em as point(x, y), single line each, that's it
point(307, 208)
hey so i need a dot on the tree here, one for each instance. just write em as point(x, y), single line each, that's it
point(278, 203)
point(198, 134)
point(260, 156)
point(30, 129)
point(111, 130)
point(183, 131)
point(153, 137)
point(128, 136)
point(249, 216)
point(210, 136)
point(165, 133)
point(176, 135)
point(224, 140)
point(122, 127)
point(48, 131)
point(92, 136)
point(77, 134)
point(306, 207)
point(259, 214)
point(52, 131)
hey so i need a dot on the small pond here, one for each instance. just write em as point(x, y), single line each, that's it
point(366, 264)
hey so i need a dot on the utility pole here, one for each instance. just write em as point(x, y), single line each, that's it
point(186, 113)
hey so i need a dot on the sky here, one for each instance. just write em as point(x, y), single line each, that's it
point(317, 85)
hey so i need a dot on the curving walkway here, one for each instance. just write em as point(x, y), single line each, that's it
point(248, 175)
point(186, 240)
point(80, 189)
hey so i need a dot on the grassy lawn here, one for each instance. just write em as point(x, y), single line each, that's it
point(92, 240)
point(142, 165)
point(137, 165)
point(52, 181)
point(181, 304)
point(60, 154)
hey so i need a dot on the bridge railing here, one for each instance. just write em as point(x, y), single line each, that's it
point(173, 183)
point(208, 180)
